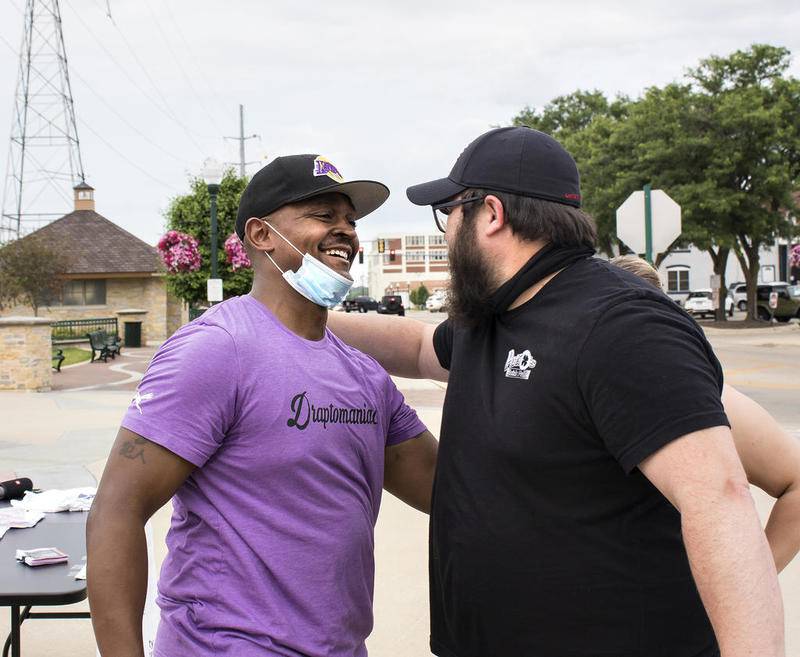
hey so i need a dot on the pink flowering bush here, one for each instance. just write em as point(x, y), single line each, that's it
point(179, 252)
point(237, 256)
point(794, 256)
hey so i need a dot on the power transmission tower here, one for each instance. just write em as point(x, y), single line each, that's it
point(242, 139)
point(44, 157)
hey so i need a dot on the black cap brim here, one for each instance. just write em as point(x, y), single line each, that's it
point(432, 192)
point(365, 195)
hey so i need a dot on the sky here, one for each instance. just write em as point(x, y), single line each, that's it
point(387, 91)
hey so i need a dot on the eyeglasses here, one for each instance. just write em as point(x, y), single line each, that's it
point(441, 211)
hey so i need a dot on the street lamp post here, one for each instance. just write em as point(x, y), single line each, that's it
point(212, 173)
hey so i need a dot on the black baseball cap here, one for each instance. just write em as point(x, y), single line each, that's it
point(293, 178)
point(517, 160)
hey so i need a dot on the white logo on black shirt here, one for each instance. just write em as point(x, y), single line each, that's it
point(519, 366)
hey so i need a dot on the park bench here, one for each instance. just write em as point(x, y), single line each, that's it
point(58, 358)
point(104, 345)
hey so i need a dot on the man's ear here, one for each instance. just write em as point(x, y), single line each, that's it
point(495, 217)
point(258, 235)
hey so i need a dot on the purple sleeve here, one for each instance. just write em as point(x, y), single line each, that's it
point(403, 421)
point(187, 399)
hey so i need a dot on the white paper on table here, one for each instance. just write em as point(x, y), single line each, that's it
point(12, 518)
point(52, 501)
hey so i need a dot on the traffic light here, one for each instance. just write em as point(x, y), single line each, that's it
point(391, 255)
point(360, 255)
point(381, 245)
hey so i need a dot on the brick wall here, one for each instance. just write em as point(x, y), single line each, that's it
point(25, 354)
point(164, 312)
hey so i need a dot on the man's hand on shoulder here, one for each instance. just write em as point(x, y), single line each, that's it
point(403, 346)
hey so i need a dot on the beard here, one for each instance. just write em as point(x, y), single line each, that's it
point(472, 280)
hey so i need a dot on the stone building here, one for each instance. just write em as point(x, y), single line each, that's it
point(111, 274)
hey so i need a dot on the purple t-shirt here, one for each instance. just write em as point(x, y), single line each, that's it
point(271, 543)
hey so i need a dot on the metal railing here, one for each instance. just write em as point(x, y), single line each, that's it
point(76, 329)
point(194, 313)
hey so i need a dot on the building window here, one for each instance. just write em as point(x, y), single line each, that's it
point(84, 293)
point(678, 280)
point(768, 273)
point(438, 256)
point(415, 256)
point(436, 240)
point(415, 240)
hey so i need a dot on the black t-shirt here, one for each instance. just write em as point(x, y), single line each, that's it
point(546, 540)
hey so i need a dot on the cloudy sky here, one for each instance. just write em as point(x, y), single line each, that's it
point(390, 91)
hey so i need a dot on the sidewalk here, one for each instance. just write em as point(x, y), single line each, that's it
point(61, 439)
point(122, 373)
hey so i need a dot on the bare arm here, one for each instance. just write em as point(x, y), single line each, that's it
point(403, 346)
point(408, 470)
point(771, 459)
point(139, 478)
point(702, 476)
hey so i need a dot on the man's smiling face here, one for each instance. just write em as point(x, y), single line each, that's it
point(323, 226)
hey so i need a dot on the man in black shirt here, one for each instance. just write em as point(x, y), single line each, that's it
point(588, 497)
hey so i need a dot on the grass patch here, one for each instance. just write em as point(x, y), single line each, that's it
point(74, 355)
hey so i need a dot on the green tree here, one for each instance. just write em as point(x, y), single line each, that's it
point(191, 214)
point(666, 131)
point(753, 119)
point(585, 122)
point(422, 295)
point(31, 273)
point(725, 144)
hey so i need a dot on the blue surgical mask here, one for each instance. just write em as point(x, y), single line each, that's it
point(314, 279)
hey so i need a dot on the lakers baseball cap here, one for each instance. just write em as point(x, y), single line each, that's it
point(517, 160)
point(293, 178)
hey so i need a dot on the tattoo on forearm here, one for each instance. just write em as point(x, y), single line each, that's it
point(133, 449)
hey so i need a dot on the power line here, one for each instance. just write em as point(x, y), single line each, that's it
point(125, 157)
point(132, 80)
point(221, 106)
point(177, 61)
point(155, 144)
point(111, 108)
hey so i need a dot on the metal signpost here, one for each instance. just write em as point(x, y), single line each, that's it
point(648, 222)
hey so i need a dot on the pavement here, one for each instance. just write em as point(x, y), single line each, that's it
point(61, 439)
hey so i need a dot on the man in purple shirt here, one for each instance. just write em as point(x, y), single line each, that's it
point(275, 439)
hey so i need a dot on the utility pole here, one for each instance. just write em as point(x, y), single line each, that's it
point(44, 158)
point(242, 139)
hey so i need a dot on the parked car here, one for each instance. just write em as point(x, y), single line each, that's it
point(360, 304)
point(739, 293)
point(788, 305)
point(391, 304)
point(701, 304)
point(436, 302)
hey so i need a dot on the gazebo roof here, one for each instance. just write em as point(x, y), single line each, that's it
point(96, 245)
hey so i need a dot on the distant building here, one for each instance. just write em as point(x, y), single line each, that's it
point(691, 269)
point(411, 260)
point(407, 262)
point(110, 271)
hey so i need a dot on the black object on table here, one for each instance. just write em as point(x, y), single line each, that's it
point(22, 587)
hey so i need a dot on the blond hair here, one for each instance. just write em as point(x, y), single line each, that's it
point(638, 266)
